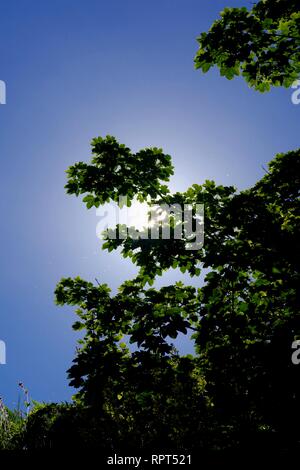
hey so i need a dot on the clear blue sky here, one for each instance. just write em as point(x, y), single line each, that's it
point(76, 69)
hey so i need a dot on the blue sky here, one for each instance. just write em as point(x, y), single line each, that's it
point(78, 69)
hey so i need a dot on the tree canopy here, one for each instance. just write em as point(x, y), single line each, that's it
point(243, 319)
point(262, 44)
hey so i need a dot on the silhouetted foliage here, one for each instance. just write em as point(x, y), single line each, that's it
point(244, 319)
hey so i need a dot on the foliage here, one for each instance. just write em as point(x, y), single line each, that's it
point(262, 45)
point(13, 422)
point(11, 428)
point(116, 171)
point(243, 319)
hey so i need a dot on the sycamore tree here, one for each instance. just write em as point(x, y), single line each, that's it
point(143, 387)
point(243, 319)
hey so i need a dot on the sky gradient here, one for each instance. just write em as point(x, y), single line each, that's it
point(78, 69)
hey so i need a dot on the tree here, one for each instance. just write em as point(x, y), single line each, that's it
point(244, 319)
point(262, 45)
